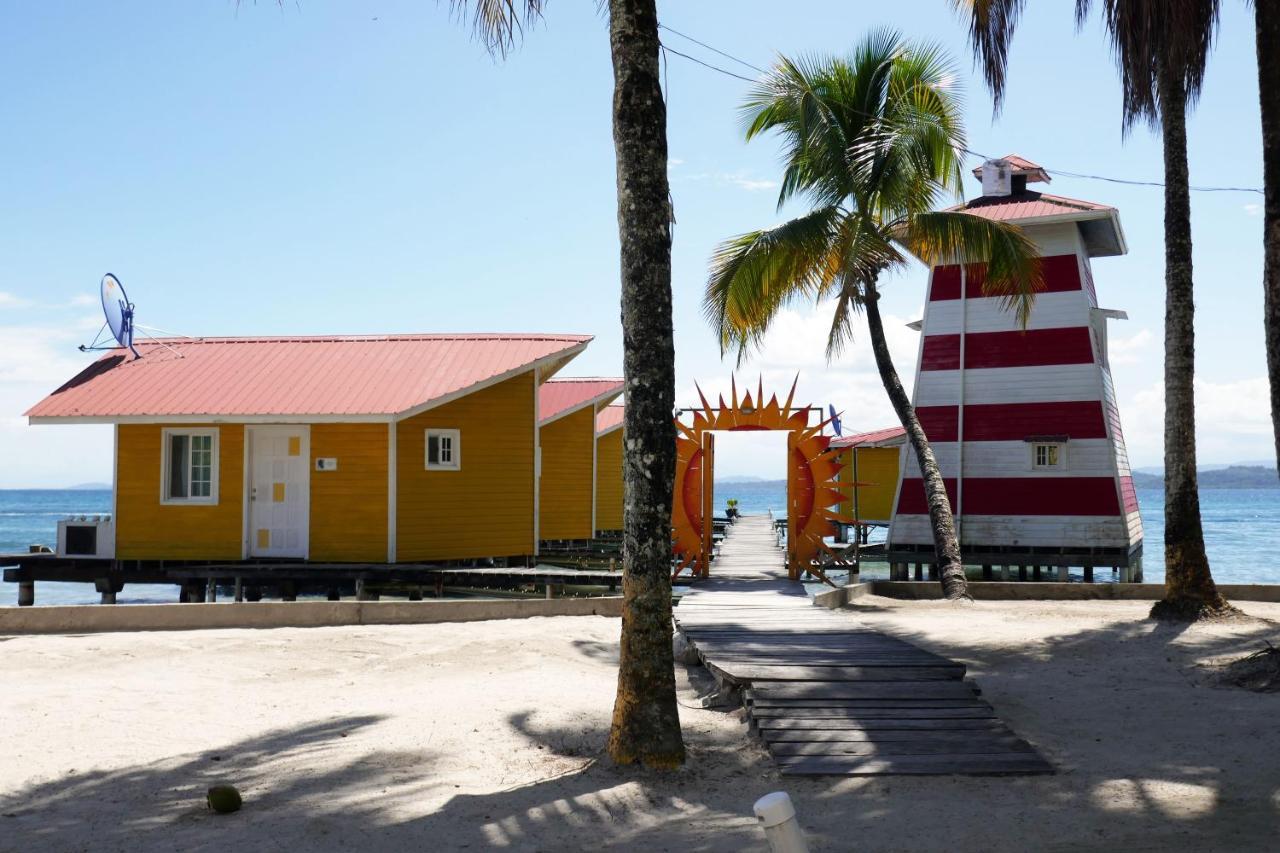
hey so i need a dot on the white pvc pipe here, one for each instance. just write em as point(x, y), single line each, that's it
point(777, 818)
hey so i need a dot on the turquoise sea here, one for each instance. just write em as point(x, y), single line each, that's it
point(1242, 527)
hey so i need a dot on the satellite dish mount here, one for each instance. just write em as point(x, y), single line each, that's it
point(118, 311)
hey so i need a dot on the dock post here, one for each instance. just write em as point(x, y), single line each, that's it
point(1088, 574)
point(1137, 570)
point(334, 594)
point(26, 593)
point(211, 591)
point(919, 571)
point(288, 591)
point(108, 587)
point(1126, 574)
point(550, 591)
point(239, 590)
point(986, 573)
point(253, 593)
point(439, 586)
point(415, 593)
point(1035, 573)
point(1022, 573)
point(933, 571)
point(1004, 573)
point(1064, 574)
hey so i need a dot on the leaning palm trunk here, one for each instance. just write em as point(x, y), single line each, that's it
point(1189, 588)
point(646, 724)
point(950, 566)
point(1268, 26)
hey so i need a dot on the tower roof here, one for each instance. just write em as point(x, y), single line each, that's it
point(1033, 172)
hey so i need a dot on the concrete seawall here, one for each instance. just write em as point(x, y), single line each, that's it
point(93, 618)
point(1039, 591)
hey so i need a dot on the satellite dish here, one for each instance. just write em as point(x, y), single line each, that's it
point(119, 313)
point(835, 420)
point(118, 310)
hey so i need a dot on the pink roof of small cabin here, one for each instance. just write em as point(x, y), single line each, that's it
point(886, 436)
point(358, 376)
point(559, 397)
point(610, 417)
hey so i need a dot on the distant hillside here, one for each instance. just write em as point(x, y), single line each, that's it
point(90, 487)
point(1231, 477)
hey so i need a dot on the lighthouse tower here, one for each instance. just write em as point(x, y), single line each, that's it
point(1024, 421)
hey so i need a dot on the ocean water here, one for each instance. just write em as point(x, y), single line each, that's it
point(1241, 528)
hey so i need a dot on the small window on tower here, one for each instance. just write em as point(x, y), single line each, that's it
point(1044, 455)
point(444, 450)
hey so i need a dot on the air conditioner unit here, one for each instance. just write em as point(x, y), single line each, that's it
point(87, 536)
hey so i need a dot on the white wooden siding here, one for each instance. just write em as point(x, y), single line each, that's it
point(1086, 457)
point(1053, 383)
point(1029, 531)
point(988, 314)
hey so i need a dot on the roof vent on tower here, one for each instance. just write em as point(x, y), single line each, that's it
point(1009, 175)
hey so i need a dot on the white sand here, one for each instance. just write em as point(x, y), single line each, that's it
point(488, 735)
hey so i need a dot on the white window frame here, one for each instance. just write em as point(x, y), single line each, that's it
point(214, 466)
point(1062, 455)
point(455, 449)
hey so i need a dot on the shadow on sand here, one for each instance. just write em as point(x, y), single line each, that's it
point(1147, 761)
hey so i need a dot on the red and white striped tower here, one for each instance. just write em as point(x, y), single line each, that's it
point(1024, 422)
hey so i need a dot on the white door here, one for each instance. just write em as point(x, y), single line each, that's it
point(279, 490)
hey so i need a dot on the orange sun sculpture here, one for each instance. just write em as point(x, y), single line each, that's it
point(812, 489)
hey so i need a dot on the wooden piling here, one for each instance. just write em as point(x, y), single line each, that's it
point(239, 590)
point(288, 591)
point(334, 594)
point(986, 573)
point(1088, 574)
point(26, 593)
point(211, 591)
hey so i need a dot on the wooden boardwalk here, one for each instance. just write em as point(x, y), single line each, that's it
point(829, 697)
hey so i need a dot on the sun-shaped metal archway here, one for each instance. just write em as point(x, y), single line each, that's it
point(812, 491)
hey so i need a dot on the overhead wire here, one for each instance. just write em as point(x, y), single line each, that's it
point(1060, 172)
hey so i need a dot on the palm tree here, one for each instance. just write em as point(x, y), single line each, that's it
point(1162, 48)
point(646, 724)
point(873, 142)
point(1267, 24)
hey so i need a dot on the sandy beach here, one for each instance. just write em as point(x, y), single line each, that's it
point(489, 735)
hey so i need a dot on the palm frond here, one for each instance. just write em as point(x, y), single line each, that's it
point(1013, 270)
point(992, 24)
point(499, 24)
point(754, 274)
point(1147, 35)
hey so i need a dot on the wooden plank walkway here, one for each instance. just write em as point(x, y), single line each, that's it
point(827, 696)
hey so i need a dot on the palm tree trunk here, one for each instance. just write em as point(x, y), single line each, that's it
point(646, 723)
point(950, 567)
point(1189, 591)
point(1267, 21)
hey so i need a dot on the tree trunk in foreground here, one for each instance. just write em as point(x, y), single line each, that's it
point(1268, 25)
point(950, 566)
point(646, 723)
point(1189, 591)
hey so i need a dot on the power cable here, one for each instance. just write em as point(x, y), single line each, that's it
point(1061, 172)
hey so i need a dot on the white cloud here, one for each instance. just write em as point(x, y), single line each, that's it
point(672, 162)
point(1128, 350)
point(795, 346)
point(8, 300)
point(80, 300)
point(1233, 422)
point(35, 360)
point(740, 179)
point(1252, 209)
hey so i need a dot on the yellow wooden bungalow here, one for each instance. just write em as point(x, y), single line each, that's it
point(869, 478)
point(379, 449)
point(568, 409)
point(609, 470)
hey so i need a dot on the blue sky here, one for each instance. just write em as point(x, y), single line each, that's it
point(366, 167)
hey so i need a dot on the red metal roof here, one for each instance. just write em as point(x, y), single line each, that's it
point(1029, 205)
point(1021, 166)
point(610, 417)
point(297, 376)
point(559, 397)
point(881, 437)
